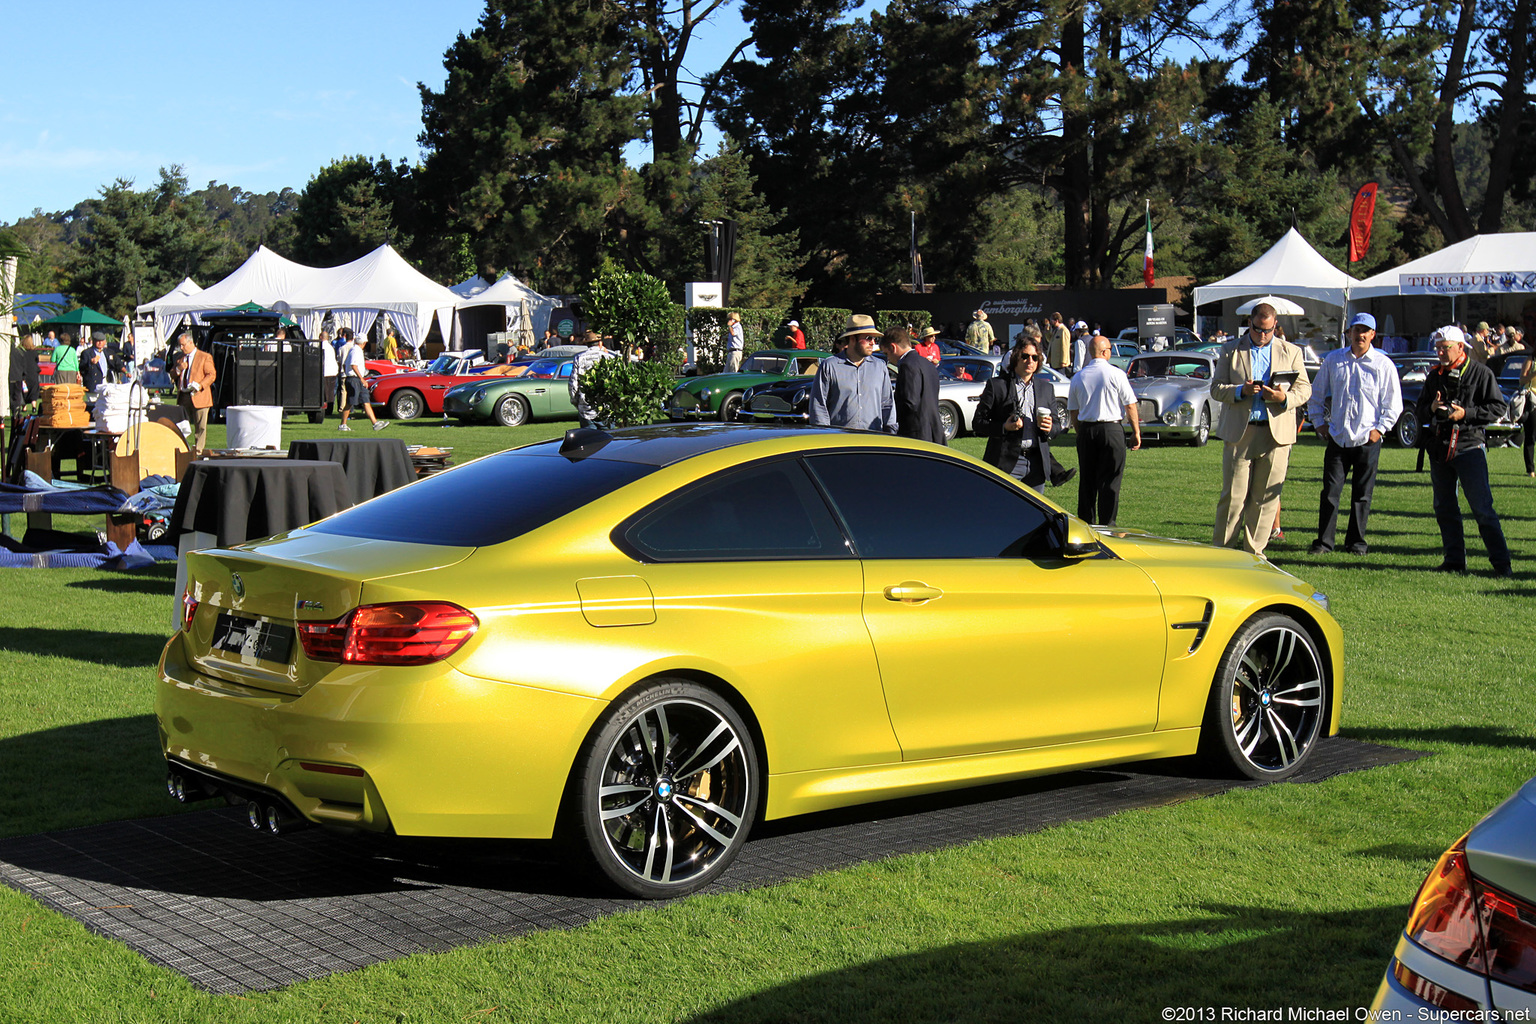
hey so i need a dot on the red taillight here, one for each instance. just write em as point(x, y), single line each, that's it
point(390, 634)
point(1444, 919)
point(1471, 923)
point(188, 609)
point(1509, 927)
point(323, 640)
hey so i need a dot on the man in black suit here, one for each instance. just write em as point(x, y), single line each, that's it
point(917, 389)
point(95, 365)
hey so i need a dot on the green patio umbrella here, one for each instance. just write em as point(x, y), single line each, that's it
point(256, 307)
point(82, 317)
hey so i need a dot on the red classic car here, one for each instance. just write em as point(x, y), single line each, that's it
point(409, 395)
point(414, 392)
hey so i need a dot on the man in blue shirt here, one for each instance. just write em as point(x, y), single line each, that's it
point(1356, 400)
point(852, 388)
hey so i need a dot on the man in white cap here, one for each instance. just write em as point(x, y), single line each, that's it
point(852, 389)
point(796, 335)
point(1355, 400)
point(1459, 399)
point(736, 343)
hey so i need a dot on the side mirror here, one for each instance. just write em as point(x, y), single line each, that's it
point(1081, 541)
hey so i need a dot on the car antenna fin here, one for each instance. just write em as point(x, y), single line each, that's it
point(584, 441)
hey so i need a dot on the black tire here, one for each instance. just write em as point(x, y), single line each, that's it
point(512, 411)
point(1202, 429)
point(729, 406)
point(156, 530)
point(1060, 415)
point(655, 823)
point(317, 415)
point(951, 421)
point(406, 404)
point(1267, 701)
point(1405, 432)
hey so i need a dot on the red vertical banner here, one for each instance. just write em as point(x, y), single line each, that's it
point(1146, 259)
point(1360, 215)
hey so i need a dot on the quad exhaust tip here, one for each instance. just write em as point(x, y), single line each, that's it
point(262, 814)
point(269, 818)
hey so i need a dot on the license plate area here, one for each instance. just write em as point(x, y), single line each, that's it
point(253, 639)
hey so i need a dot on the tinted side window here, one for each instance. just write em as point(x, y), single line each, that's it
point(912, 506)
point(766, 511)
point(484, 502)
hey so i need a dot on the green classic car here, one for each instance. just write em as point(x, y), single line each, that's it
point(718, 395)
point(543, 392)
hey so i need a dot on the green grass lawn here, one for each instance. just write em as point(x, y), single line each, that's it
point(1282, 896)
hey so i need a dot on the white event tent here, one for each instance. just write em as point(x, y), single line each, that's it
point(510, 294)
point(380, 281)
point(354, 293)
point(164, 325)
point(1501, 268)
point(1291, 268)
point(472, 285)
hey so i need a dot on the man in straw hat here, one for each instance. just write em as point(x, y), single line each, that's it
point(596, 352)
point(852, 389)
point(979, 335)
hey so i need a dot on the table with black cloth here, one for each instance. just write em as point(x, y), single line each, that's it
point(237, 500)
point(374, 465)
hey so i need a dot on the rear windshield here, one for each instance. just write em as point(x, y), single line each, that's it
point(485, 502)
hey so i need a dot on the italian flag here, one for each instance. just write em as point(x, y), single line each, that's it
point(1146, 261)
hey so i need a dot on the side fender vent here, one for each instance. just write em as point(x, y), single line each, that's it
point(1200, 628)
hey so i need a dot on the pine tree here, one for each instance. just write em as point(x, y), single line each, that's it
point(348, 209)
point(141, 244)
point(525, 139)
point(765, 259)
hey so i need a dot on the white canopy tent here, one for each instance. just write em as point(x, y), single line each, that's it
point(1481, 265)
point(472, 285)
point(1502, 265)
point(1291, 268)
point(379, 282)
point(354, 292)
point(165, 324)
point(510, 294)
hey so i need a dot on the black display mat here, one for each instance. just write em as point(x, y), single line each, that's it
point(235, 910)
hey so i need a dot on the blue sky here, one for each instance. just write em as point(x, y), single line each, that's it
point(260, 96)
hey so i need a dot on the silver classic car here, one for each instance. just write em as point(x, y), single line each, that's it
point(962, 380)
point(1173, 392)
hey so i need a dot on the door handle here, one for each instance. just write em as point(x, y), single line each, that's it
point(912, 592)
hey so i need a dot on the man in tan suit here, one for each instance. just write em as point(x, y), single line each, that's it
point(194, 383)
point(1259, 380)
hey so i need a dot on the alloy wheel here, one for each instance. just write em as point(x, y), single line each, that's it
point(671, 791)
point(1268, 702)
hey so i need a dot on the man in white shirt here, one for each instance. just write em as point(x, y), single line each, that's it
point(1354, 403)
point(595, 353)
point(735, 345)
point(1101, 401)
point(353, 370)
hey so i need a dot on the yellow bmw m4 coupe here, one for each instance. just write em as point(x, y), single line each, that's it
point(647, 640)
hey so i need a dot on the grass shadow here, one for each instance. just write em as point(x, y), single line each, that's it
point(155, 585)
point(1103, 972)
point(1458, 735)
point(115, 649)
point(81, 775)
